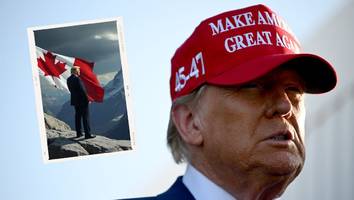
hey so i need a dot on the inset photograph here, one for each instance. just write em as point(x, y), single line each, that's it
point(80, 79)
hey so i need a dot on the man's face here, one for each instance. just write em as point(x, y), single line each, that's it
point(255, 126)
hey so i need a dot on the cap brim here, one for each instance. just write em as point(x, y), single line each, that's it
point(318, 75)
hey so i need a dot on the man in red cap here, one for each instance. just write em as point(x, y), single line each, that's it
point(238, 113)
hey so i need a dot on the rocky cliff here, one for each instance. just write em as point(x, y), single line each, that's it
point(62, 142)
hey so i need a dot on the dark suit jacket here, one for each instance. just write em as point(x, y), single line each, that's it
point(77, 91)
point(178, 191)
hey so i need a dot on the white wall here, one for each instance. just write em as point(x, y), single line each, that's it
point(329, 167)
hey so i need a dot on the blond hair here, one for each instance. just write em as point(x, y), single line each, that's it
point(74, 69)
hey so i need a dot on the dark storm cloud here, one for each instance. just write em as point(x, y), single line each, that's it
point(94, 42)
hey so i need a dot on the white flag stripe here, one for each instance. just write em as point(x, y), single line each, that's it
point(48, 78)
point(60, 83)
point(68, 60)
point(40, 52)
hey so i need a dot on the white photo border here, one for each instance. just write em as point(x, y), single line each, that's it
point(38, 94)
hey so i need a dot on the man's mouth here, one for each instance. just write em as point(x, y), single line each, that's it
point(284, 135)
point(281, 138)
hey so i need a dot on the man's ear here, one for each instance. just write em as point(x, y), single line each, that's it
point(187, 124)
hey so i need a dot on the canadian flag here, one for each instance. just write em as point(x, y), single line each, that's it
point(56, 69)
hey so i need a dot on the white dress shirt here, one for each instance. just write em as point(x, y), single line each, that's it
point(202, 188)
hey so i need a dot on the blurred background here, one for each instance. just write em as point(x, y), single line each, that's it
point(153, 30)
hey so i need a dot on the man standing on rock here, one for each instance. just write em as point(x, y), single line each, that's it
point(80, 101)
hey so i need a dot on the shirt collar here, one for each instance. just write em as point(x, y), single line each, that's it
point(202, 188)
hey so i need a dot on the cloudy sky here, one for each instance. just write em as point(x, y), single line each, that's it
point(96, 42)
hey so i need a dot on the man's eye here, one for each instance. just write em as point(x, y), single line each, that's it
point(250, 86)
point(295, 89)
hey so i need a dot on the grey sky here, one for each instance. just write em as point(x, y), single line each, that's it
point(97, 43)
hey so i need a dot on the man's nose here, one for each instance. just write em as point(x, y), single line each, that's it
point(278, 103)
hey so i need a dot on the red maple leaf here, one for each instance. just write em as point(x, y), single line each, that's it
point(49, 67)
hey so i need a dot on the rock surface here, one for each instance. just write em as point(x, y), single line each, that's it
point(62, 142)
point(53, 123)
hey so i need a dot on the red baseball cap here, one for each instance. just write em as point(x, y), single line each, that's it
point(239, 46)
